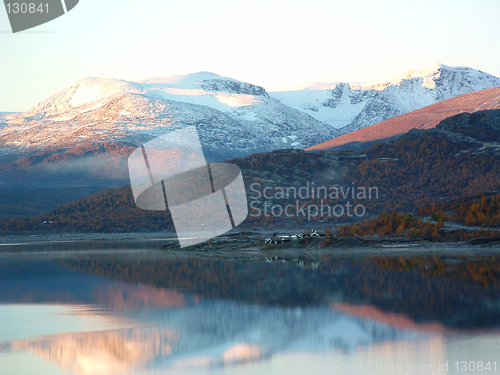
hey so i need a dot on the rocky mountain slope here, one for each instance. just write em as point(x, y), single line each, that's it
point(353, 106)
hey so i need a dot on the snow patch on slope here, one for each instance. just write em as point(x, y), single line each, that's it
point(86, 94)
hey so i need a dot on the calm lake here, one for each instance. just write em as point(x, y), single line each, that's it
point(84, 309)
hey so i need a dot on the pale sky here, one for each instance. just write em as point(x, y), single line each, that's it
point(271, 43)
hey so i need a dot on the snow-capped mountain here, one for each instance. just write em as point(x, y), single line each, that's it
point(353, 106)
point(232, 118)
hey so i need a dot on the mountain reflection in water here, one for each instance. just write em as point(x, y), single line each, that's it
point(103, 314)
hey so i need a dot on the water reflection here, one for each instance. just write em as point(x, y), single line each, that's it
point(102, 352)
point(128, 315)
point(211, 334)
point(27, 321)
point(460, 291)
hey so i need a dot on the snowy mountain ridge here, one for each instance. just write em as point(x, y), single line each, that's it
point(90, 93)
point(233, 118)
point(353, 106)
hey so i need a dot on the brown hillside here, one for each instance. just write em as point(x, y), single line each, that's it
point(425, 118)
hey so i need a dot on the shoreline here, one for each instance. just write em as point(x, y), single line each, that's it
point(13, 239)
point(236, 244)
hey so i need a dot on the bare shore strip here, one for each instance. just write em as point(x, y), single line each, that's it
point(235, 245)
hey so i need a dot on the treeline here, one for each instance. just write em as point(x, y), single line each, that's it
point(426, 168)
point(109, 211)
point(481, 210)
point(408, 226)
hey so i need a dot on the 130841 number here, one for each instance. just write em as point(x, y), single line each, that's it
point(476, 366)
point(27, 8)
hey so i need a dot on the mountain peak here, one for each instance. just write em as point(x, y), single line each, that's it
point(436, 71)
point(432, 71)
point(181, 79)
point(206, 81)
point(91, 92)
